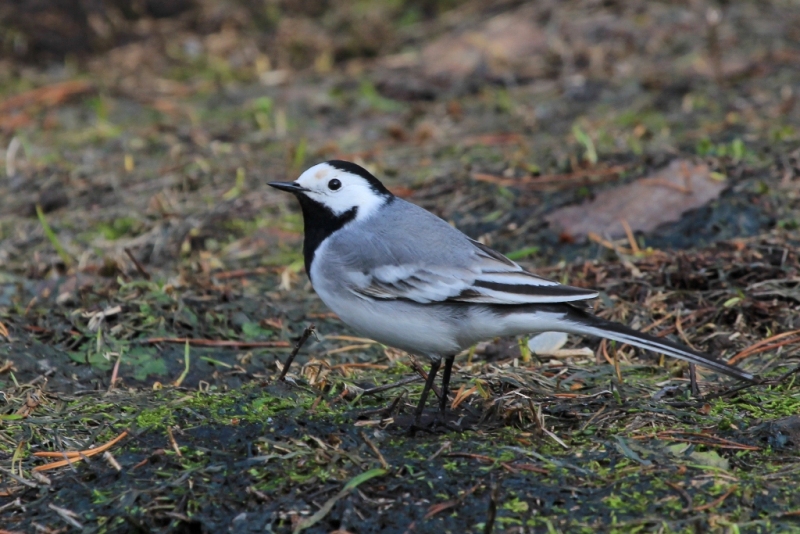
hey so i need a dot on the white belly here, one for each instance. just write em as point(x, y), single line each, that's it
point(400, 324)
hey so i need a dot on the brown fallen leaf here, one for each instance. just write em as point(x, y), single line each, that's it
point(644, 204)
point(49, 95)
point(16, 111)
point(31, 403)
point(507, 44)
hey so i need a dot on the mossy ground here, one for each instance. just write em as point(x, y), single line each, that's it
point(261, 455)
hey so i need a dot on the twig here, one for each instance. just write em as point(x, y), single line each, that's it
point(717, 501)
point(461, 396)
point(388, 410)
point(303, 338)
point(348, 348)
point(217, 343)
point(172, 442)
point(616, 362)
point(358, 365)
point(441, 507)
point(49, 95)
point(481, 457)
point(765, 345)
point(67, 515)
point(604, 351)
point(631, 239)
point(377, 451)
point(418, 368)
point(445, 446)
point(759, 347)
point(115, 371)
point(785, 375)
point(386, 387)
point(185, 372)
point(529, 467)
point(538, 418)
point(681, 333)
point(351, 338)
point(108, 457)
point(241, 273)
point(19, 478)
point(139, 268)
point(16, 503)
point(591, 420)
point(728, 392)
point(608, 244)
point(683, 493)
point(704, 439)
point(655, 324)
point(140, 464)
point(74, 456)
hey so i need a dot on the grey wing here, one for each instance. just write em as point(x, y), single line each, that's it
point(487, 277)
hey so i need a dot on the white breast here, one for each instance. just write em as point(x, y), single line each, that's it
point(415, 328)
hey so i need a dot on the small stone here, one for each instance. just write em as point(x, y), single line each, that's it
point(547, 343)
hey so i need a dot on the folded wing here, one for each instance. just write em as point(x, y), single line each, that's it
point(489, 278)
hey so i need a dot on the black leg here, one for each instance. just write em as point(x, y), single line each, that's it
point(428, 385)
point(448, 366)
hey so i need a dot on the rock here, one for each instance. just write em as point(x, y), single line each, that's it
point(547, 343)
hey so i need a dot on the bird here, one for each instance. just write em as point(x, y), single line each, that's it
point(402, 276)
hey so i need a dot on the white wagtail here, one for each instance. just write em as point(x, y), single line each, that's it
point(402, 276)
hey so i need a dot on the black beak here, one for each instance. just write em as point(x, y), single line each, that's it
point(291, 187)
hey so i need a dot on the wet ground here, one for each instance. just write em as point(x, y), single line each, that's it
point(149, 162)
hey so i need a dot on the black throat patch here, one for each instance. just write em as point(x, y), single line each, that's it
point(319, 222)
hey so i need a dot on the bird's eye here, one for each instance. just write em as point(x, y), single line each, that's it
point(334, 184)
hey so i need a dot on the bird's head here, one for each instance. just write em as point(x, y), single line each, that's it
point(341, 187)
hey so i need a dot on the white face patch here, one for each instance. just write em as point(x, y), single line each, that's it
point(351, 191)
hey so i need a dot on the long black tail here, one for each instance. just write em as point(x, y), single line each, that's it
point(586, 323)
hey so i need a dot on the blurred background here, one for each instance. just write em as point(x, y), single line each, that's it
point(154, 125)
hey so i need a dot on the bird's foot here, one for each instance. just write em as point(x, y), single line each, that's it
point(418, 426)
point(432, 424)
point(441, 421)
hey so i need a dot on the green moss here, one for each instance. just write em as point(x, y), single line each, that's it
point(516, 506)
point(118, 228)
point(155, 418)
